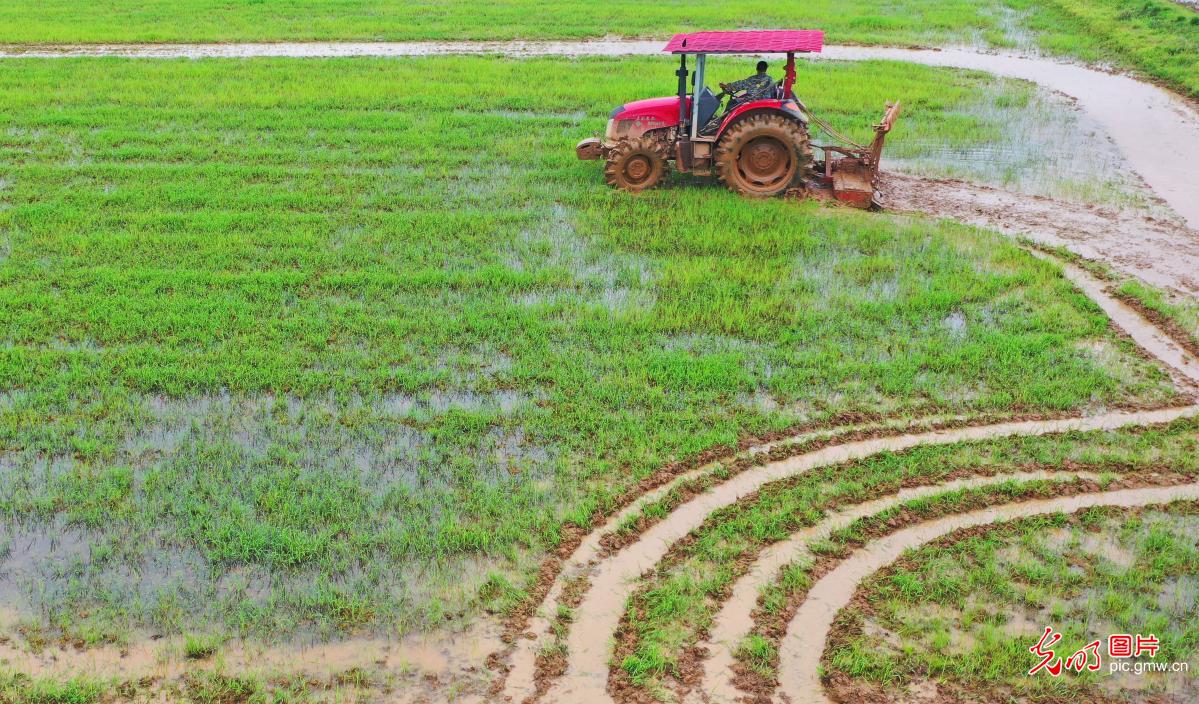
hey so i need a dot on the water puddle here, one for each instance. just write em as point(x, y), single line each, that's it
point(35, 557)
point(422, 656)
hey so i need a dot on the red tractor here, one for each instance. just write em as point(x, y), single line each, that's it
point(758, 146)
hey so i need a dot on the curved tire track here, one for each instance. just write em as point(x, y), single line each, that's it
point(735, 619)
point(597, 617)
point(1142, 331)
point(520, 684)
point(803, 647)
point(612, 580)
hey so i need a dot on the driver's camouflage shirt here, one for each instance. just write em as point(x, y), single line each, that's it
point(756, 86)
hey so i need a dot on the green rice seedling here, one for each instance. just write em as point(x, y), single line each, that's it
point(758, 652)
point(964, 611)
point(316, 347)
point(22, 689)
point(199, 647)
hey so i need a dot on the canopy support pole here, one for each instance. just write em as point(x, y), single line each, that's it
point(682, 74)
point(789, 81)
point(696, 88)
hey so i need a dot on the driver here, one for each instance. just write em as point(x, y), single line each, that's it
point(756, 87)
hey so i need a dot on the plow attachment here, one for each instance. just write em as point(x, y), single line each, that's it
point(850, 173)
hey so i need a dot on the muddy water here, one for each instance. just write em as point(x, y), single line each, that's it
point(599, 47)
point(1162, 253)
point(1157, 132)
point(420, 656)
point(612, 581)
point(801, 650)
point(735, 619)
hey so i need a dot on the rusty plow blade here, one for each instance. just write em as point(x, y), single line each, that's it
point(852, 172)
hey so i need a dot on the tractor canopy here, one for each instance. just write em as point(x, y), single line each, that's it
point(768, 41)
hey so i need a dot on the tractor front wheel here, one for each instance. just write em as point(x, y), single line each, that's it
point(763, 155)
point(636, 164)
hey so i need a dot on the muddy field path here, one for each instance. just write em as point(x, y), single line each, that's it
point(1155, 130)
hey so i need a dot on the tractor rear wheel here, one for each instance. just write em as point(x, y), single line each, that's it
point(636, 164)
point(763, 155)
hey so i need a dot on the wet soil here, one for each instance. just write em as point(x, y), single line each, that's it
point(420, 668)
point(1158, 251)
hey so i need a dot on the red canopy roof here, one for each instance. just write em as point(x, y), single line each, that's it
point(768, 41)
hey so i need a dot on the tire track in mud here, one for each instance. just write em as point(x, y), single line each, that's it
point(1142, 331)
point(521, 680)
point(602, 583)
point(612, 581)
point(1163, 253)
point(800, 655)
point(734, 621)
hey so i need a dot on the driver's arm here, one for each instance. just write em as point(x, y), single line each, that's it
point(737, 86)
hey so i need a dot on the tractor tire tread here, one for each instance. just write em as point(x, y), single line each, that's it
point(647, 145)
point(742, 131)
